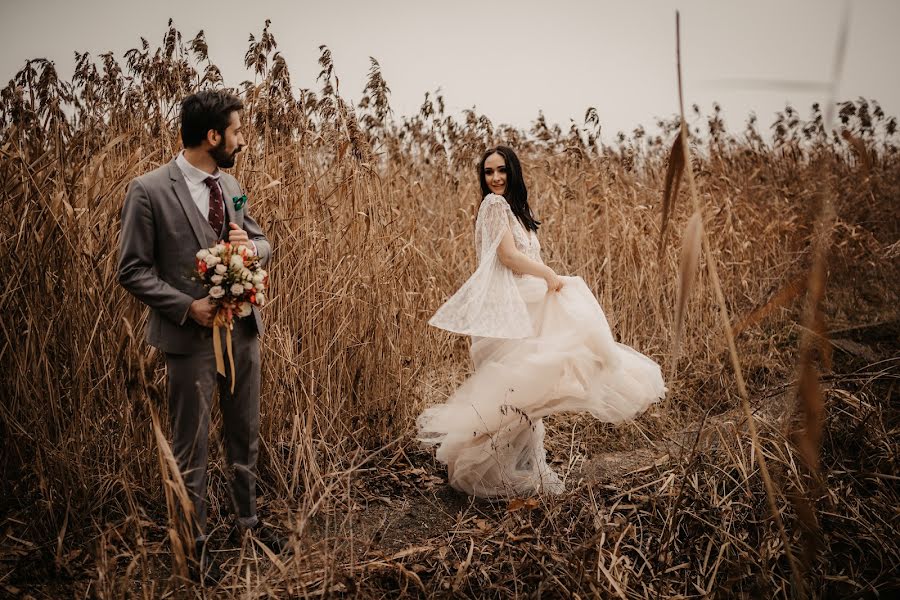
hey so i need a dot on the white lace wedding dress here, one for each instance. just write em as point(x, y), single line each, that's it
point(535, 354)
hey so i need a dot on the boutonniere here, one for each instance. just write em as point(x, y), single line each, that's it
point(239, 201)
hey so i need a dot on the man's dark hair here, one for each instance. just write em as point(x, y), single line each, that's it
point(203, 111)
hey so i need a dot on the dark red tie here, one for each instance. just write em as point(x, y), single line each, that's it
point(216, 207)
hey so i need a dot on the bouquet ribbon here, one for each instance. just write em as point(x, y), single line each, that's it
point(222, 322)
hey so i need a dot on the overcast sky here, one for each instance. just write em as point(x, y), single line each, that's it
point(507, 58)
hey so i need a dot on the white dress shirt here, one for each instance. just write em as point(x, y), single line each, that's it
point(196, 183)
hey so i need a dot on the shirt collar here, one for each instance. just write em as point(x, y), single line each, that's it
point(192, 173)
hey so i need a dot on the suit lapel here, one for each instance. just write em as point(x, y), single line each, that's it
point(187, 203)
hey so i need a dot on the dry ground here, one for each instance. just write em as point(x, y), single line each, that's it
point(401, 523)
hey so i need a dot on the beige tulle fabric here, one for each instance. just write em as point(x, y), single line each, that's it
point(535, 354)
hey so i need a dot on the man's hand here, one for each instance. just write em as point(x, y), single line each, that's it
point(238, 237)
point(203, 311)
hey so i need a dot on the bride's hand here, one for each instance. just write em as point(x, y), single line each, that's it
point(554, 282)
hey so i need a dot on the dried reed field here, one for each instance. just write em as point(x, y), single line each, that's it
point(775, 479)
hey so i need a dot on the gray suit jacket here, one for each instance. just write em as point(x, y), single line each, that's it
point(162, 230)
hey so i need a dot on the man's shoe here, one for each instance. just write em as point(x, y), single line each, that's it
point(273, 540)
point(205, 568)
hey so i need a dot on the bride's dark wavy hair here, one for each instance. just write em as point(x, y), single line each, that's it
point(516, 193)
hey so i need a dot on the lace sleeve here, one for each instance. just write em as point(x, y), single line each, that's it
point(490, 225)
point(489, 303)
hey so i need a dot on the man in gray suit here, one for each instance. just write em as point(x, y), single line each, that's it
point(169, 215)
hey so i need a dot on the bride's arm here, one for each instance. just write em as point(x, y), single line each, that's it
point(515, 260)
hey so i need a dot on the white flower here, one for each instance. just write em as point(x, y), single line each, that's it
point(237, 261)
point(248, 285)
point(257, 277)
point(202, 254)
point(260, 286)
point(216, 291)
point(260, 298)
point(221, 269)
point(245, 274)
point(216, 279)
point(219, 249)
point(244, 309)
point(211, 260)
point(237, 289)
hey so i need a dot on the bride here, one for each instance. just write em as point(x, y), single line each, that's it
point(540, 346)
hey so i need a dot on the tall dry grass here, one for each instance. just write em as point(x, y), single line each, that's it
point(371, 218)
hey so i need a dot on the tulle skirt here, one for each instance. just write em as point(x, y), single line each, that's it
point(490, 432)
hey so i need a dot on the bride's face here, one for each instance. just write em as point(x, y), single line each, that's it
point(495, 173)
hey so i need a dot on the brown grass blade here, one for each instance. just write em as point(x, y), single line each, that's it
point(808, 441)
point(809, 438)
point(463, 567)
point(782, 297)
point(771, 495)
point(859, 147)
point(687, 274)
point(810, 398)
point(178, 503)
point(670, 189)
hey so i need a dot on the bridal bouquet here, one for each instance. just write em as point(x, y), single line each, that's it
point(236, 282)
point(234, 278)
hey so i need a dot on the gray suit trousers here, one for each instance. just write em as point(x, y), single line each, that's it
point(192, 380)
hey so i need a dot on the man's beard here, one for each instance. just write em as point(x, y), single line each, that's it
point(224, 159)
